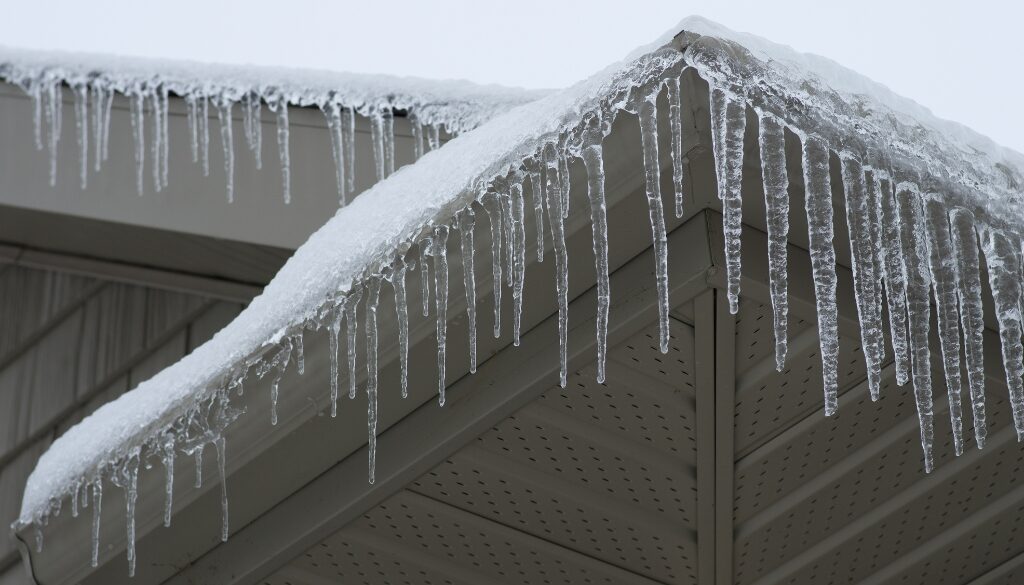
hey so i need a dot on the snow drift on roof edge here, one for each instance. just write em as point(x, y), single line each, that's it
point(383, 221)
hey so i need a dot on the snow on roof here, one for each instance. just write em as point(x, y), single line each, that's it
point(900, 234)
point(855, 112)
point(458, 105)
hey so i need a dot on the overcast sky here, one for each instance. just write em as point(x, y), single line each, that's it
point(963, 60)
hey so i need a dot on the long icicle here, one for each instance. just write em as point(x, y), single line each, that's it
point(732, 118)
point(334, 128)
point(557, 224)
point(537, 194)
point(224, 115)
point(865, 283)
point(440, 243)
point(284, 150)
point(425, 275)
point(494, 214)
point(372, 301)
point(915, 270)
point(818, 195)
point(772, 140)
point(895, 282)
point(648, 112)
point(676, 126)
point(377, 135)
point(82, 132)
point(352, 328)
point(402, 314)
point(1004, 280)
point(137, 101)
point(348, 139)
point(157, 138)
point(593, 160)
point(517, 245)
point(167, 449)
point(944, 276)
point(967, 262)
point(97, 507)
point(55, 112)
point(467, 222)
point(333, 330)
point(221, 446)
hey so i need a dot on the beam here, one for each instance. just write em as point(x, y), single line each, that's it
point(725, 451)
point(206, 286)
point(704, 381)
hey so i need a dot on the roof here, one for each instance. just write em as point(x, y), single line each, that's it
point(363, 241)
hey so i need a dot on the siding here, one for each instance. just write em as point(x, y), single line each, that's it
point(68, 345)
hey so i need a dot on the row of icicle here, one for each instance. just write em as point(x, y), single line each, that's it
point(906, 246)
point(92, 104)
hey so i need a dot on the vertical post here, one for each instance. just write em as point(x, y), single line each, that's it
point(725, 408)
point(704, 350)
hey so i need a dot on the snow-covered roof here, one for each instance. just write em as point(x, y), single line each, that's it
point(907, 176)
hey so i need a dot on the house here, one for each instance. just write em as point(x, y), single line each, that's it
point(640, 245)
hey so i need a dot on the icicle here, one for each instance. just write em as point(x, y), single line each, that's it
point(467, 222)
point(198, 456)
point(417, 136)
point(966, 261)
point(493, 208)
point(865, 281)
point(425, 275)
point(36, 93)
point(74, 498)
point(352, 324)
point(283, 150)
point(300, 352)
point(158, 127)
point(332, 332)
point(944, 282)
point(128, 477)
point(402, 313)
point(165, 150)
point(138, 115)
point(192, 109)
point(440, 253)
point(389, 142)
point(557, 223)
point(167, 459)
point(1003, 275)
point(348, 129)
point(676, 124)
point(105, 126)
point(564, 181)
point(910, 216)
point(280, 361)
point(224, 107)
point(97, 507)
point(434, 136)
point(818, 194)
point(99, 98)
point(334, 128)
point(55, 111)
point(377, 135)
point(219, 444)
point(39, 538)
point(537, 193)
point(593, 159)
point(253, 119)
point(204, 134)
point(82, 131)
point(652, 170)
point(505, 200)
point(372, 300)
point(772, 139)
point(517, 241)
point(895, 282)
point(730, 120)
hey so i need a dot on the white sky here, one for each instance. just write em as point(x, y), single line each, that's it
point(960, 59)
